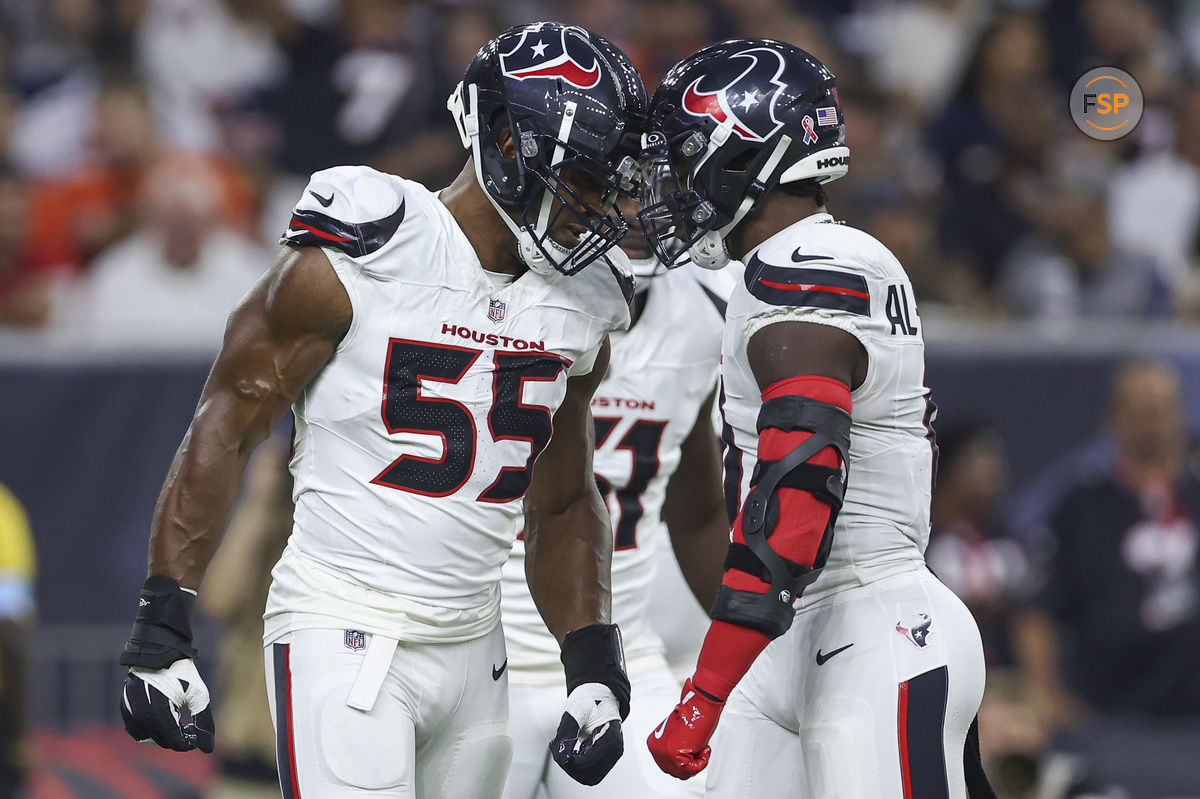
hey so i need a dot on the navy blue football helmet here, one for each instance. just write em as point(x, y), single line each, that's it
point(575, 107)
point(728, 124)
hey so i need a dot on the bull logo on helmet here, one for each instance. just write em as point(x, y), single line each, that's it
point(544, 55)
point(742, 94)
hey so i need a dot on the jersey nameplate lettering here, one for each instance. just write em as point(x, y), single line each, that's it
point(897, 310)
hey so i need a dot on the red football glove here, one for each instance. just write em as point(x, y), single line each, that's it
point(680, 744)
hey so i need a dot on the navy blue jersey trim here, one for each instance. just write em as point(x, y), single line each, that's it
point(315, 229)
point(284, 723)
point(807, 287)
point(625, 281)
point(720, 304)
point(732, 486)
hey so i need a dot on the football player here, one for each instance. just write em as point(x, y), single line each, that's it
point(439, 352)
point(657, 465)
point(857, 673)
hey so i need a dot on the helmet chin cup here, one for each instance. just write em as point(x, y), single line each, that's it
point(532, 255)
point(710, 252)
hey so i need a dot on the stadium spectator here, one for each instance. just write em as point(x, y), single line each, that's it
point(985, 568)
point(27, 276)
point(53, 53)
point(1068, 268)
point(1115, 632)
point(669, 30)
point(994, 140)
point(75, 217)
point(170, 284)
point(1163, 186)
point(200, 58)
point(918, 51)
point(354, 86)
point(17, 566)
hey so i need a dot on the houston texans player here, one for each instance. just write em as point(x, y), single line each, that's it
point(439, 352)
point(857, 673)
point(658, 465)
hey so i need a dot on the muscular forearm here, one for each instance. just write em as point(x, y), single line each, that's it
point(694, 510)
point(568, 556)
point(198, 494)
point(701, 555)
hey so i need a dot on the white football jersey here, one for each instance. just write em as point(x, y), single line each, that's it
point(416, 442)
point(820, 271)
point(660, 374)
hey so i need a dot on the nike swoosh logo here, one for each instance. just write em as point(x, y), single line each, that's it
point(821, 659)
point(496, 672)
point(325, 201)
point(661, 728)
point(799, 259)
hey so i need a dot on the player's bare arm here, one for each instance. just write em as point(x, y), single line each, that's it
point(568, 555)
point(694, 509)
point(278, 338)
point(805, 372)
point(568, 537)
point(793, 349)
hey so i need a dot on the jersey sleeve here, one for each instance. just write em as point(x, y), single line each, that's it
point(354, 210)
point(828, 294)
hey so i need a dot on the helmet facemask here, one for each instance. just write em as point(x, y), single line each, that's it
point(681, 224)
point(535, 186)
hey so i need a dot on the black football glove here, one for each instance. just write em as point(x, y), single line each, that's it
point(162, 680)
point(589, 740)
point(151, 704)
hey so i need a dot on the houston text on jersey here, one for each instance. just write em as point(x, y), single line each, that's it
point(493, 339)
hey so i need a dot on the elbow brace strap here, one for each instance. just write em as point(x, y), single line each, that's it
point(828, 426)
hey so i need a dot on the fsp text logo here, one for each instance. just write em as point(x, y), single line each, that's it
point(1106, 103)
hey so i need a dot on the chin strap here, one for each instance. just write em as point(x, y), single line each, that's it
point(710, 252)
point(466, 119)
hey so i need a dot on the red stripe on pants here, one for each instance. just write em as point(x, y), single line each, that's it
point(902, 730)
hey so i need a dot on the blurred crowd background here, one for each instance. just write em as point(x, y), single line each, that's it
point(154, 147)
point(150, 152)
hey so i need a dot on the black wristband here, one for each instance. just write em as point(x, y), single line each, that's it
point(162, 631)
point(594, 654)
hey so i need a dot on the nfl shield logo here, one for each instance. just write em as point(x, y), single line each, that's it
point(496, 310)
point(355, 640)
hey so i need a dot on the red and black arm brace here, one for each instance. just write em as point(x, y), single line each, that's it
point(782, 536)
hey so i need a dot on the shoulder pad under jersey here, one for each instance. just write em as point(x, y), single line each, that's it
point(717, 284)
point(354, 209)
point(618, 263)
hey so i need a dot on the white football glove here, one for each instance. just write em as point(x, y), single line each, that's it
point(153, 699)
point(589, 740)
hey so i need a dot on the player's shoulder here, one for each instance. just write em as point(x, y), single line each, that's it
point(603, 289)
point(821, 263)
point(358, 211)
point(820, 241)
point(699, 294)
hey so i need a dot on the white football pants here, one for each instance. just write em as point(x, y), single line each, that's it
point(860, 699)
point(536, 711)
point(360, 715)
